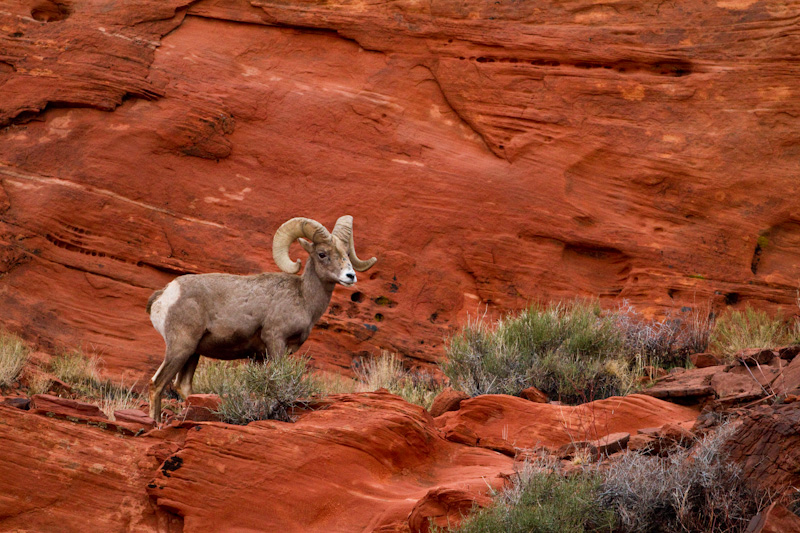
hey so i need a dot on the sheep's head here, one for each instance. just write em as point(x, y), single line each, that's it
point(333, 253)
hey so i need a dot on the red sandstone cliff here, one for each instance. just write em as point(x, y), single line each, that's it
point(492, 153)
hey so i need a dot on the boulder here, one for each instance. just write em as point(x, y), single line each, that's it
point(788, 353)
point(756, 356)
point(134, 416)
point(201, 407)
point(447, 400)
point(641, 443)
point(532, 394)
point(686, 387)
point(774, 519)
point(788, 380)
point(53, 471)
point(742, 386)
point(579, 450)
point(498, 445)
point(18, 402)
point(704, 360)
point(613, 443)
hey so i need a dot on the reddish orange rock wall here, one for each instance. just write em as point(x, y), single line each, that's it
point(492, 153)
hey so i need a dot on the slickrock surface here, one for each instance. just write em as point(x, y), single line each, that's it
point(359, 465)
point(493, 153)
point(361, 462)
point(64, 476)
point(526, 424)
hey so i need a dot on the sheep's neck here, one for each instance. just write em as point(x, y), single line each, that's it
point(316, 292)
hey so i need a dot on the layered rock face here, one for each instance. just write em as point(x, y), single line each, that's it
point(357, 462)
point(492, 154)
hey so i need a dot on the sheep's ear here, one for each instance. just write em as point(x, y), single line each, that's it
point(307, 245)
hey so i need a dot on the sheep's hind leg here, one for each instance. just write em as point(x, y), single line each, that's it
point(175, 359)
point(184, 380)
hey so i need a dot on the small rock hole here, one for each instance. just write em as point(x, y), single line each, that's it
point(357, 296)
point(49, 11)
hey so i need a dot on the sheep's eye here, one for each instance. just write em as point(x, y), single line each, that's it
point(322, 255)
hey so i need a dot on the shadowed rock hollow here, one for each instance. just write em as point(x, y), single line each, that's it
point(492, 153)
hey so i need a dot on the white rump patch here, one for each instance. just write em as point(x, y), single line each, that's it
point(160, 308)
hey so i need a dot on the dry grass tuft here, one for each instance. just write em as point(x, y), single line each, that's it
point(14, 353)
point(387, 372)
point(82, 373)
point(739, 330)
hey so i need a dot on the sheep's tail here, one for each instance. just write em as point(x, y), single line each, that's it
point(153, 298)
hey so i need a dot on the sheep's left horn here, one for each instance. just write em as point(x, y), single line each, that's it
point(343, 230)
point(290, 231)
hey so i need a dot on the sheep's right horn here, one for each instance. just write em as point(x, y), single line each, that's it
point(344, 231)
point(289, 232)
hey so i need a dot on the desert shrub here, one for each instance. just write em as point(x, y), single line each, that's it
point(571, 351)
point(694, 490)
point(14, 353)
point(543, 500)
point(387, 372)
point(738, 330)
point(561, 349)
point(667, 342)
point(265, 390)
point(81, 372)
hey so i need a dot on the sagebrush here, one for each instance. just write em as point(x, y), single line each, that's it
point(571, 351)
point(695, 490)
point(257, 390)
point(543, 500)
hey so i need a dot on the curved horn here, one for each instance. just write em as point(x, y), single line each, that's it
point(289, 232)
point(344, 232)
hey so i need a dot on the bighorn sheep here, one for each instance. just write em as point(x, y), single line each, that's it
point(225, 316)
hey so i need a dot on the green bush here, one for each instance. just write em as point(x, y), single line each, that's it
point(570, 351)
point(738, 330)
point(542, 500)
point(562, 349)
point(14, 353)
point(265, 390)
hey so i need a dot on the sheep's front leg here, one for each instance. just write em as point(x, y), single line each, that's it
point(276, 344)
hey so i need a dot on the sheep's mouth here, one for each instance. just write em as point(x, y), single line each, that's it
point(347, 283)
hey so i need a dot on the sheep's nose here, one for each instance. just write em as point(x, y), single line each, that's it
point(351, 276)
